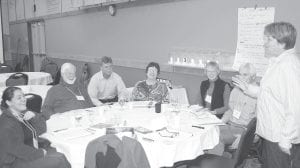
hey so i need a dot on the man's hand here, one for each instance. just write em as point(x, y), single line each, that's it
point(28, 115)
point(285, 147)
point(240, 82)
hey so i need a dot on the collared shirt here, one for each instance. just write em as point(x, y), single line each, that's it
point(102, 88)
point(278, 107)
point(242, 108)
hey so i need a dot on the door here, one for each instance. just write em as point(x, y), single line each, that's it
point(37, 47)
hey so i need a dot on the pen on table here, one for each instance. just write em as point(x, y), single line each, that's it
point(148, 139)
point(60, 130)
point(196, 126)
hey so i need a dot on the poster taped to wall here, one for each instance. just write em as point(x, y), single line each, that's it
point(251, 23)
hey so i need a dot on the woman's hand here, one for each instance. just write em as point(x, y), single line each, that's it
point(213, 112)
point(240, 82)
point(45, 152)
point(28, 115)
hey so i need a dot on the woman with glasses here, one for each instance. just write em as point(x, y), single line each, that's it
point(151, 89)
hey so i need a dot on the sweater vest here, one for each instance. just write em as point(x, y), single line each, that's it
point(217, 99)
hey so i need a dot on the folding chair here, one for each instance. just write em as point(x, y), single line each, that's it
point(129, 92)
point(109, 151)
point(214, 161)
point(85, 74)
point(17, 79)
point(5, 68)
point(179, 95)
point(51, 68)
point(34, 102)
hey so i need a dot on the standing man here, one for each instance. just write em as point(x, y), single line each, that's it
point(278, 107)
point(106, 86)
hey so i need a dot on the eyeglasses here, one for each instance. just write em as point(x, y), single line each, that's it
point(169, 134)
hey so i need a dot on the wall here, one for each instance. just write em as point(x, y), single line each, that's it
point(146, 30)
point(149, 31)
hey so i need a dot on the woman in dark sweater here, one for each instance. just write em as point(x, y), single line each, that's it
point(19, 130)
point(214, 92)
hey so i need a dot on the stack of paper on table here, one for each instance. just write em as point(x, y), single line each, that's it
point(205, 118)
point(69, 134)
point(59, 122)
point(141, 104)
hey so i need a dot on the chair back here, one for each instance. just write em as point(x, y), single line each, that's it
point(23, 66)
point(245, 143)
point(179, 95)
point(25, 63)
point(52, 68)
point(110, 151)
point(17, 79)
point(34, 102)
point(85, 74)
point(5, 68)
point(18, 67)
point(214, 161)
point(129, 92)
point(57, 78)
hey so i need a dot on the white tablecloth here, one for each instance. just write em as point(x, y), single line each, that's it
point(34, 78)
point(160, 152)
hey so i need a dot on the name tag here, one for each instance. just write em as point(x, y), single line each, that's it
point(35, 143)
point(79, 97)
point(236, 114)
point(208, 99)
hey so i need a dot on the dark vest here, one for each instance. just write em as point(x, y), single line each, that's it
point(217, 100)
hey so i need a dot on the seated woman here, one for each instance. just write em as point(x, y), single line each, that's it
point(214, 92)
point(151, 89)
point(19, 130)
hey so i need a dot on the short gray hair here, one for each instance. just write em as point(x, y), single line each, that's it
point(66, 66)
point(250, 67)
point(213, 64)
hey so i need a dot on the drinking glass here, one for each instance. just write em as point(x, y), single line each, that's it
point(173, 120)
point(78, 118)
point(174, 103)
point(122, 103)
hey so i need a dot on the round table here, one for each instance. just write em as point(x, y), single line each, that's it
point(72, 139)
